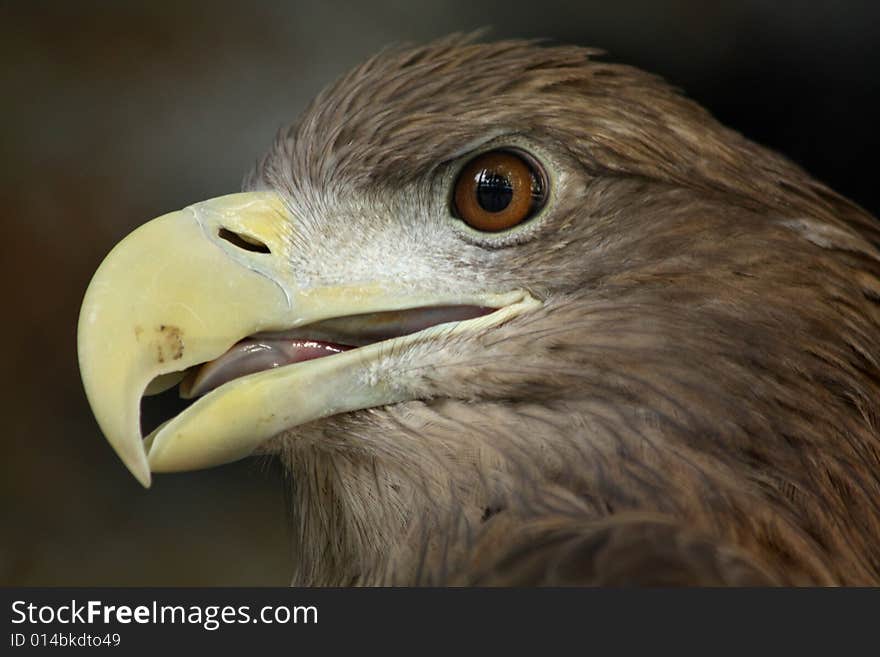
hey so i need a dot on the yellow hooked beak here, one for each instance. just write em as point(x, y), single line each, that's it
point(184, 288)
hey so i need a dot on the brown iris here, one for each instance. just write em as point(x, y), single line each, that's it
point(498, 190)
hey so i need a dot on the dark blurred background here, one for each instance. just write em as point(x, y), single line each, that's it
point(113, 113)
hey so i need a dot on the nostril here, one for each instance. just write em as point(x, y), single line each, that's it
point(243, 241)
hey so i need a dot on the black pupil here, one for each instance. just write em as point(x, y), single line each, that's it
point(494, 191)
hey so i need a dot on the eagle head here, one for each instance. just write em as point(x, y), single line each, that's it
point(509, 313)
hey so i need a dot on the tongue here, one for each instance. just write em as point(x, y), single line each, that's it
point(253, 355)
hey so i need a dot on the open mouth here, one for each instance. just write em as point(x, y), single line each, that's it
point(268, 382)
point(170, 394)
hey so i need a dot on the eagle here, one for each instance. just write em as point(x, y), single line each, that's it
point(511, 314)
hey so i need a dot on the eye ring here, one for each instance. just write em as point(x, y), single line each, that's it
point(498, 190)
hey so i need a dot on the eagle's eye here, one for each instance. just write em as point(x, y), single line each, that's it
point(498, 190)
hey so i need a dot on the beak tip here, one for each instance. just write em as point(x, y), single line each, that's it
point(144, 478)
point(140, 469)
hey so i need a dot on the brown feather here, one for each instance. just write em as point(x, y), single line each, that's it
point(695, 403)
